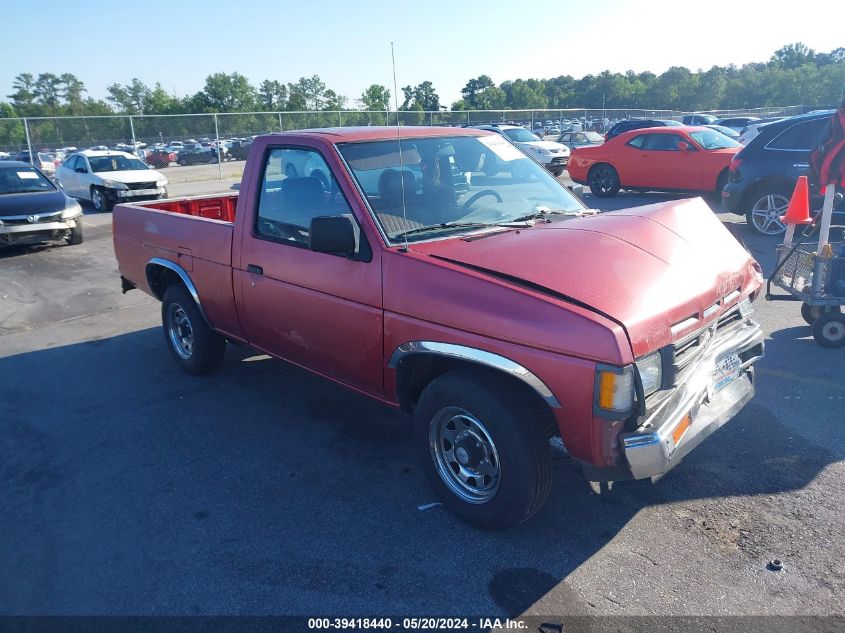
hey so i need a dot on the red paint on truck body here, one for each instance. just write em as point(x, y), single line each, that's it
point(557, 298)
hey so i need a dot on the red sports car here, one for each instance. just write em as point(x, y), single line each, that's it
point(656, 159)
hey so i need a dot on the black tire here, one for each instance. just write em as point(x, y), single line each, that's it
point(603, 180)
point(181, 320)
point(76, 236)
point(811, 313)
point(767, 202)
point(829, 330)
point(721, 181)
point(100, 199)
point(516, 424)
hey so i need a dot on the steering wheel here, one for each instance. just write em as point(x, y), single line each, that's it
point(476, 197)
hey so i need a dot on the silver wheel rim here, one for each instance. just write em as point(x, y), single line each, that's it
point(180, 331)
point(97, 199)
point(766, 212)
point(464, 455)
point(833, 331)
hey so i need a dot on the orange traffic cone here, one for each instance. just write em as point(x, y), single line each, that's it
point(798, 211)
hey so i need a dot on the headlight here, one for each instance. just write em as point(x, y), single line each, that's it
point(72, 210)
point(651, 372)
point(615, 389)
point(113, 184)
point(161, 183)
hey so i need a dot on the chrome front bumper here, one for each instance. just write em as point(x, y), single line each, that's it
point(651, 450)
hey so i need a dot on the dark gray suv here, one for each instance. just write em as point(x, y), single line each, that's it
point(763, 174)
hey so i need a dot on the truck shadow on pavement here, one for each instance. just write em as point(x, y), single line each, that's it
point(263, 489)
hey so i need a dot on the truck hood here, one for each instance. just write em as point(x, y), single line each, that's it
point(661, 271)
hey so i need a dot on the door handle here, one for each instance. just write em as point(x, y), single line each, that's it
point(255, 270)
point(801, 165)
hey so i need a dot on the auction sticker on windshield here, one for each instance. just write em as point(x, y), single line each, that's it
point(27, 175)
point(501, 148)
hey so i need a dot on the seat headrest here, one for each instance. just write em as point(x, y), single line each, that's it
point(301, 193)
point(390, 185)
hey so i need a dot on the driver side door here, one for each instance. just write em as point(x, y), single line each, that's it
point(318, 310)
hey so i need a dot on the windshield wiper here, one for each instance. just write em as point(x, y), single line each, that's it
point(439, 227)
point(539, 214)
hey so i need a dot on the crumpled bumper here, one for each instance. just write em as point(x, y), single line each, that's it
point(698, 408)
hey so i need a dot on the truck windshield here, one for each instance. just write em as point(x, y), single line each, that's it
point(453, 184)
point(115, 163)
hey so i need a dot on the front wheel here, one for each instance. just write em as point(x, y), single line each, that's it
point(483, 445)
point(197, 348)
point(76, 236)
point(829, 330)
point(100, 199)
point(603, 180)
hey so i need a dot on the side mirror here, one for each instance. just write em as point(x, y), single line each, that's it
point(332, 234)
point(683, 146)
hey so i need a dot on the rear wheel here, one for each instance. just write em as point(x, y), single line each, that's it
point(767, 205)
point(483, 445)
point(829, 330)
point(197, 348)
point(603, 180)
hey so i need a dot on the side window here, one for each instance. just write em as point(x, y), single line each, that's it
point(71, 163)
point(297, 186)
point(637, 141)
point(802, 136)
point(661, 142)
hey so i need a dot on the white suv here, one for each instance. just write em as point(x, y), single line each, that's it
point(106, 177)
point(550, 154)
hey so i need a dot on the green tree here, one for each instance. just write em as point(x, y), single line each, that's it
point(794, 55)
point(228, 93)
point(47, 91)
point(272, 95)
point(133, 98)
point(483, 94)
point(333, 101)
point(376, 97)
point(422, 97)
point(309, 92)
point(23, 97)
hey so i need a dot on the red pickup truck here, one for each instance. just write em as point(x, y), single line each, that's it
point(497, 310)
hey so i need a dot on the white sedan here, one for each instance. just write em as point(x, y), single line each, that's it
point(107, 177)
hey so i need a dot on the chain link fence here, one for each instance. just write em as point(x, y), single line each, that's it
point(188, 139)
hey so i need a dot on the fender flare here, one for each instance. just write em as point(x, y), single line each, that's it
point(186, 279)
point(478, 357)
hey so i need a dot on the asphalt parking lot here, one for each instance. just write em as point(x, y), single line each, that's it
point(131, 488)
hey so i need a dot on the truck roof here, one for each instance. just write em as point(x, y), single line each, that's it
point(381, 132)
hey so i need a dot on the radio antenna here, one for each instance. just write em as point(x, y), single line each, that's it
point(404, 248)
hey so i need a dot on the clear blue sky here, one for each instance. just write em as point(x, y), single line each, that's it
point(347, 42)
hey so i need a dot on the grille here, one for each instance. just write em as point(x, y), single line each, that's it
point(687, 350)
point(135, 186)
point(22, 219)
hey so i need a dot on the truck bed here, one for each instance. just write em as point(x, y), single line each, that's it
point(195, 234)
point(216, 207)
